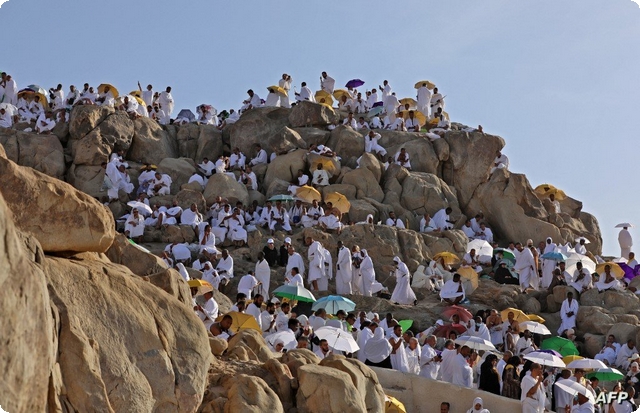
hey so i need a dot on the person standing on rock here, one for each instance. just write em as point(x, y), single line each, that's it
point(166, 101)
point(402, 293)
point(548, 265)
point(343, 270)
point(625, 241)
point(285, 83)
point(525, 266)
point(327, 83)
point(429, 359)
point(437, 101)
point(294, 260)
point(263, 274)
point(368, 274)
point(315, 255)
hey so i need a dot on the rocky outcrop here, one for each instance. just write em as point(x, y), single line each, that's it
point(327, 390)
point(140, 262)
point(151, 143)
point(265, 126)
point(225, 186)
point(312, 114)
point(44, 153)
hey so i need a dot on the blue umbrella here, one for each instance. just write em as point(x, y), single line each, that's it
point(556, 256)
point(353, 83)
point(375, 111)
point(186, 113)
point(333, 303)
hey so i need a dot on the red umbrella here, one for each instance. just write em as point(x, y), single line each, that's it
point(443, 331)
point(462, 312)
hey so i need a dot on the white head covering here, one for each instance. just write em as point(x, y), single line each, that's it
point(287, 240)
point(477, 400)
point(377, 348)
point(304, 320)
point(270, 241)
point(396, 259)
point(183, 271)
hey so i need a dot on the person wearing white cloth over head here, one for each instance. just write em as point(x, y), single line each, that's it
point(402, 293)
point(547, 265)
point(525, 266)
point(263, 274)
point(478, 406)
point(568, 313)
point(625, 241)
point(533, 396)
point(343, 270)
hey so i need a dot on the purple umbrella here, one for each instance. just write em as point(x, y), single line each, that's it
point(375, 105)
point(555, 353)
point(629, 273)
point(353, 83)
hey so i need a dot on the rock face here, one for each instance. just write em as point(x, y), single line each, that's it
point(327, 390)
point(61, 217)
point(311, 114)
point(139, 262)
point(260, 125)
point(151, 143)
point(44, 153)
point(251, 394)
point(227, 187)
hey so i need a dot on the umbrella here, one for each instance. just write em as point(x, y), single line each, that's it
point(241, 321)
point(470, 274)
point(333, 303)
point(462, 312)
point(625, 225)
point(338, 93)
point(411, 101)
point(555, 353)
point(569, 359)
point(608, 374)
point(287, 337)
point(573, 258)
point(561, 345)
point(339, 201)
point(616, 270)
point(26, 92)
point(308, 194)
point(112, 89)
point(354, 83)
point(186, 113)
point(535, 327)
point(545, 359)
point(574, 388)
point(294, 292)
point(140, 247)
point(202, 286)
point(429, 84)
point(138, 99)
point(418, 115)
point(281, 197)
point(545, 190)
point(506, 253)
point(278, 90)
point(586, 241)
point(405, 324)
point(38, 89)
point(136, 93)
point(445, 330)
point(536, 318)
point(518, 315)
point(393, 405)
point(375, 111)
point(341, 340)
point(484, 250)
point(327, 164)
point(143, 208)
point(448, 258)
point(29, 94)
point(586, 363)
point(9, 108)
point(556, 256)
point(324, 97)
point(475, 343)
point(629, 273)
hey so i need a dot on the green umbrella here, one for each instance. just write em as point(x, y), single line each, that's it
point(608, 374)
point(506, 254)
point(294, 292)
point(405, 324)
point(282, 197)
point(561, 345)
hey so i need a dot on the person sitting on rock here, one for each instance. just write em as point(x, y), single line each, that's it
point(260, 158)
point(350, 121)
point(371, 144)
point(503, 275)
point(500, 162)
point(412, 123)
point(222, 329)
point(161, 185)
point(296, 213)
point(609, 351)
point(196, 177)
point(468, 230)
point(485, 233)
point(330, 221)
point(248, 179)
point(320, 176)
point(300, 180)
point(392, 221)
point(441, 219)
point(179, 252)
point(582, 279)
point(237, 160)
point(254, 101)
point(313, 214)
point(608, 282)
point(471, 259)
point(427, 224)
point(443, 124)
point(192, 217)
point(397, 125)
point(6, 120)
point(134, 227)
point(45, 123)
point(402, 159)
point(453, 292)
point(362, 124)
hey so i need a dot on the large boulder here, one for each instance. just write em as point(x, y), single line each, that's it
point(252, 341)
point(324, 389)
point(85, 118)
point(227, 187)
point(307, 113)
point(426, 193)
point(313, 136)
point(260, 125)
point(144, 351)
point(187, 197)
point(187, 139)
point(624, 332)
point(133, 257)
point(370, 162)
point(360, 209)
point(113, 133)
point(209, 143)
point(365, 182)
point(179, 169)
point(422, 156)
point(43, 153)
point(151, 144)
point(27, 330)
point(60, 217)
point(346, 142)
point(251, 394)
point(285, 167)
point(88, 179)
point(594, 320)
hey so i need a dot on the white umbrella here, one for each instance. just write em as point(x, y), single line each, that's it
point(338, 339)
point(535, 327)
point(574, 388)
point(545, 359)
point(143, 208)
point(586, 364)
point(483, 249)
point(475, 343)
point(573, 258)
point(625, 225)
point(287, 337)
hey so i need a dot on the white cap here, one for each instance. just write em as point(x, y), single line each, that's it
point(270, 241)
point(287, 240)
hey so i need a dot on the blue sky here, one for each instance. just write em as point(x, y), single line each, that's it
point(558, 80)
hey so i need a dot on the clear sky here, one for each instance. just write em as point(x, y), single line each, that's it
point(557, 79)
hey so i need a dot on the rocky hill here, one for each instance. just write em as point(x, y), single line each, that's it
point(92, 323)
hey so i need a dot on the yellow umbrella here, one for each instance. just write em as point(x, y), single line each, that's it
point(536, 318)
point(202, 286)
point(139, 100)
point(569, 359)
point(136, 93)
point(43, 100)
point(308, 193)
point(241, 321)
point(338, 93)
point(339, 201)
point(328, 105)
point(112, 89)
point(418, 115)
point(446, 115)
point(393, 405)
point(545, 190)
point(518, 315)
point(616, 270)
point(448, 257)
point(324, 97)
point(26, 94)
point(327, 164)
point(430, 85)
point(410, 101)
point(278, 90)
point(470, 274)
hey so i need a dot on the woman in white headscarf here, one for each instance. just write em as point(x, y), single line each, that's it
point(377, 351)
point(478, 406)
point(413, 355)
point(402, 293)
point(368, 273)
point(367, 221)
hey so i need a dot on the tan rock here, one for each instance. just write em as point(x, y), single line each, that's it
point(294, 359)
point(259, 125)
point(186, 197)
point(346, 142)
point(254, 341)
point(594, 320)
point(171, 282)
point(365, 183)
point(421, 154)
point(138, 261)
point(227, 187)
point(179, 169)
point(85, 118)
point(252, 395)
point(218, 346)
point(426, 193)
point(187, 138)
point(43, 153)
point(593, 343)
point(624, 332)
point(87, 179)
point(313, 136)
point(347, 190)
point(360, 209)
point(209, 143)
point(560, 293)
point(285, 381)
point(371, 163)
point(75, 221)
point(285, 167)
point(151, 144)
point(324, 389)
point(311, 114)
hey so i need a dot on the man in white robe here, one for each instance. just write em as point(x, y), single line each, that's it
point(294, 259)
point(582, 279)
point(320, 176)
point(166, 101)
point(255, 308)
point(161, 185)
point(147, 95)
point(305, 93)
point(57, 97)
point(452, 291)
point(437, 101)
point(249, 179)
point(625, 241)
point(371, 144)
point(427, 224)
point(429, 359)
point(568, 313)
point(424, 99)
point(391, 103)
point(294, 277)
point(225, 265)
point(273, 99)
point(402, 292)
point(207, 167)
point(609, 351)
point(315, 255)
point(625, 353)
point(547, 265)
point(525, 266)
point(260, 158)
point(368, 273)
point(196, 177)
point(237, 160)
point(6, 120)
point(468, 230)
point(393, 221)
point(263, 274)
point(285, 83)
point(45, 123)
point(608, 282)
point(500, 162)
point(10, 91)
point(462, 372)
point(192, 217)
point(402, 158)
point(533, 396)
point(207, 312)
point(343, 270)
point(268, 319)
point(327, 83)
point(134, 228)
point(441, 219)
point(247, 285)
point(385, 89)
